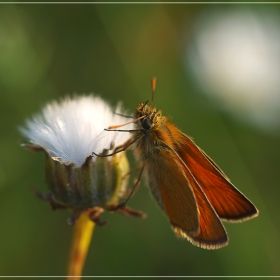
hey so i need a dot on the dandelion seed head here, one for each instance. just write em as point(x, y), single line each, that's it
point(73, 128)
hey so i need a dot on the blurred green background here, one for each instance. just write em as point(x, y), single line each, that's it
point(48, 51)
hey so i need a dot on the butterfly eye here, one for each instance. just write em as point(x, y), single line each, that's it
point(146, 123)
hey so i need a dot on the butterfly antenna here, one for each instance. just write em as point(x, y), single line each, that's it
point(154, 83)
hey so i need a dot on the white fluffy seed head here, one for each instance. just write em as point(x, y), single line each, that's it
point(74, 128)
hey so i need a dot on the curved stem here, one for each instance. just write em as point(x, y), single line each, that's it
point(80, 244)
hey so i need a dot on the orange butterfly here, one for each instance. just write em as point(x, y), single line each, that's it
point(189, 187)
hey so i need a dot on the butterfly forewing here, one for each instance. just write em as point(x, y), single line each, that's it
point(229, 203)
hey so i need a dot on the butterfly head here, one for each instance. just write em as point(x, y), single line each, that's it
point(149, 116)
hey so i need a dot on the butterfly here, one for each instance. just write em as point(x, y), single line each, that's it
point(187, 184)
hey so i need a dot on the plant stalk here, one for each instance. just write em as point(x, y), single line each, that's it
point(80, 243)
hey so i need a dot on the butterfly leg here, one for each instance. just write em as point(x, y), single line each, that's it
point(127, 211)
point(122, 205)
point(120, 148)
